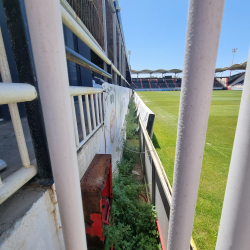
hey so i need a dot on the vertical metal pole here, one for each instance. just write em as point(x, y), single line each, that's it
point(234, 51)
point(123, 62)
point(105, 35)
point(104, 27)
point(120, 53)
point(114, 45)
point(45, 26)
point(234, 231)
point(202, 40)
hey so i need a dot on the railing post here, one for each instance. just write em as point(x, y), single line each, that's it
point(100, 101)
point(46, 32)
point(82, 116)
point(74, 121)
point(234, 231)
point(88, 113)
point(93, 110)
point(202, 40)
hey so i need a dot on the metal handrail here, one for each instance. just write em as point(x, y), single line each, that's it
point(16, 92)
point(77, 58)
point(77, 90)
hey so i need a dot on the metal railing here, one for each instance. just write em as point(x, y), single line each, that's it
point(80, 60)
point(94, 112)
point(11, 94)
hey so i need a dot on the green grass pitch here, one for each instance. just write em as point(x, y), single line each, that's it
point(216, 160)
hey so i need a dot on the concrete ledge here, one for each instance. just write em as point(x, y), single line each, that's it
point(29, 220)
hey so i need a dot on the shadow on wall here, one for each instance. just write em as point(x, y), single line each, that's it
point(155, 141)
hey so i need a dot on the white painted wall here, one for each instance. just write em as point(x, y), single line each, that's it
point(95, 145)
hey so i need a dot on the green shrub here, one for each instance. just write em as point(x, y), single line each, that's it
point(132, 222)
point(131, 119)
point(129, 152)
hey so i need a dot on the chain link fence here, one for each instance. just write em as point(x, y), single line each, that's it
point(90, 13)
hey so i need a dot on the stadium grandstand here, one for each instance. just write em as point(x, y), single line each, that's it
point(165, 83)
point(170, 83)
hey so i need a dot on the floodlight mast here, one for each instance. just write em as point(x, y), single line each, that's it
point(233, 51)
point(129, 53)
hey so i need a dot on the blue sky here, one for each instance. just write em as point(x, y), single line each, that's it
point(155, 32)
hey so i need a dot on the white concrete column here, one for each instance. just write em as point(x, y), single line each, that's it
point(234, 231)
point(202, 40)
point(45, 27)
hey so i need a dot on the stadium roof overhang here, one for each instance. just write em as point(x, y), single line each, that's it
point(241, 66)
point(161, 71)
